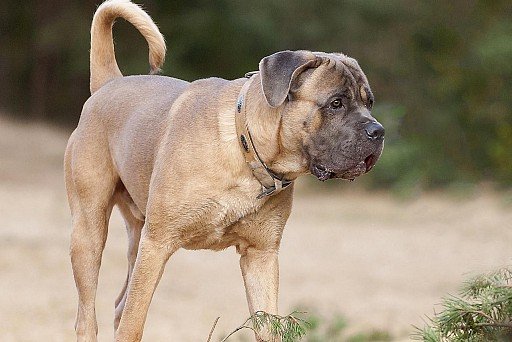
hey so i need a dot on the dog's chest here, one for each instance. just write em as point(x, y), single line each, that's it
point(226, 211)
point(239, 201)
point(231, 209)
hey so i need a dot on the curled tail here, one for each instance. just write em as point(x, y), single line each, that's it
point(103, 60)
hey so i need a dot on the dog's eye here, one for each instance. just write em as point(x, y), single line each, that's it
point(336, 103)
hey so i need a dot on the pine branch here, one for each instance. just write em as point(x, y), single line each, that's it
point(481, 312)
point(288, 328)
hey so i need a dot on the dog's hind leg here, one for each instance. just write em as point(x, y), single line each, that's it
point(149, 266)
point(133, 228)
point(90, 183)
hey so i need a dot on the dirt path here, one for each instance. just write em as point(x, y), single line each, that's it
point(380, 262)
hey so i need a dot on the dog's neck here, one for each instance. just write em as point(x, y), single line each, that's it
point(263, 122)
point(265, 125)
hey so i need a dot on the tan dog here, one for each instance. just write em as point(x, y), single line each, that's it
point(169, 155)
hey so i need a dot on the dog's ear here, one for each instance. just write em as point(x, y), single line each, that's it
point(278, 72)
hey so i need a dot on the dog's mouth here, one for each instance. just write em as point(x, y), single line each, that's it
point(324, 173)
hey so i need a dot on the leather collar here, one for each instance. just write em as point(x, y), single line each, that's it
point(271, 182)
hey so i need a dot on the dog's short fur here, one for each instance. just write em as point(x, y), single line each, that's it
point(166, 152)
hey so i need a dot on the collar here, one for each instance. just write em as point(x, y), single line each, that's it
point(271, 182)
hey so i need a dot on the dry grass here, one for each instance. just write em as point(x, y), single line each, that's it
point(381, 262)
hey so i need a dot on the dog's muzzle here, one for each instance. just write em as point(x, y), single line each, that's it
point(324, 173)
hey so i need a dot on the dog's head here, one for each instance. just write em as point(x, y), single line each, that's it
point(328, 113)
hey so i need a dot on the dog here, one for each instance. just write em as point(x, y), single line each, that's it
point(207, 164)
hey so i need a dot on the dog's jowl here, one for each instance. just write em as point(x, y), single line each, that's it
point(207, 164)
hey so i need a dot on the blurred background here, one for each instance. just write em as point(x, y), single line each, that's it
point(371, 257)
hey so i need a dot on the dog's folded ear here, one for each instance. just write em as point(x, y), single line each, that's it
point(278, 72)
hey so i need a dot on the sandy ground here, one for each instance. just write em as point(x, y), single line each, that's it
point(381, 262)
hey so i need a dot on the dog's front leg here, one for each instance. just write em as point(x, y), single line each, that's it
point(260, 270)
point(259, 259)
point(149, 266)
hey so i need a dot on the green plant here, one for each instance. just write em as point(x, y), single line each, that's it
point(290, 328)
point(321, 329)
point(335, 329)
point(481, 312)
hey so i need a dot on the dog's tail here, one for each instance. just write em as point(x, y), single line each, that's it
point(103, 60)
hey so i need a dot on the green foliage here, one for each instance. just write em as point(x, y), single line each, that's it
point(287, 329)
point(323, 329)
point(398, 167)
point(290, 328)
point(481, 312)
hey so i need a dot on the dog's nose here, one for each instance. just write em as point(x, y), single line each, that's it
point(374, 130)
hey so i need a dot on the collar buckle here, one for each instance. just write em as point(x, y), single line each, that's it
point(278, 186)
